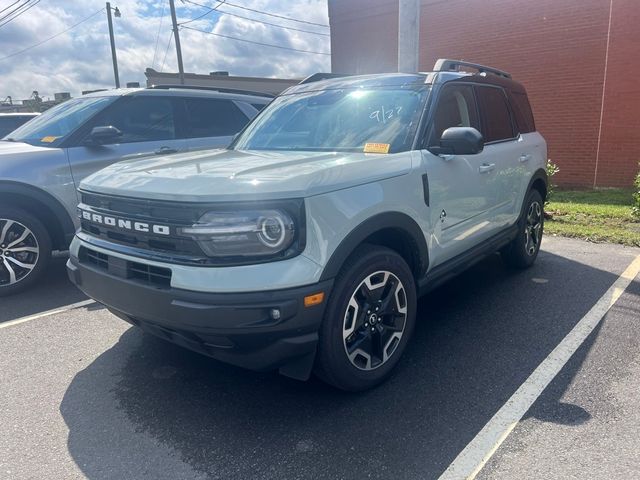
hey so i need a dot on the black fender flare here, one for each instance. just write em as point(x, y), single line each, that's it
point(382, 221)
point(49, 210)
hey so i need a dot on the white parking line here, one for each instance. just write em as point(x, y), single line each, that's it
point(48, 313)
point(477, 453)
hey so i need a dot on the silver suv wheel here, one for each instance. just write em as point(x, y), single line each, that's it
point(19, 252)
point(375, 320)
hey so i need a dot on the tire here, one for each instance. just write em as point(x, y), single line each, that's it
point(523, 250)
point(371, 272)
point(25, 250)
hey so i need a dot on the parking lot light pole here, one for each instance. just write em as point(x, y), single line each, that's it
point(116, 12)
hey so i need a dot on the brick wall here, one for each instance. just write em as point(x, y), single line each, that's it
point(620, 139)
point(556, 48)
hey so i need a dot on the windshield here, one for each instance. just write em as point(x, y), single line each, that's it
point(53, 126)
point(379, 120)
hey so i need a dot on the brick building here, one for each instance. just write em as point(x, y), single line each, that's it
point(578, 59)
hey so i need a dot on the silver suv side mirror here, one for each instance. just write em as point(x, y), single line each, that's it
point(459, 141)
point(104, 134)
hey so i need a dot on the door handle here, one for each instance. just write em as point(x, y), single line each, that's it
point(525, 158)
point(486, 167)
point(165, 150)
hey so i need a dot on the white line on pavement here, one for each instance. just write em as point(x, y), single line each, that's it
point(477, 453)
point(48, 313)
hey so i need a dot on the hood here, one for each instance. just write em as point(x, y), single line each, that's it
point(225, 175)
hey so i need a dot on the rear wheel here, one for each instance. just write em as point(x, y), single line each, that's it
point(25, 250)
point(523, 250)
point(369, 319)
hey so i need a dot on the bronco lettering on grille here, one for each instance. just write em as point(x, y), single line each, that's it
point(124, 224)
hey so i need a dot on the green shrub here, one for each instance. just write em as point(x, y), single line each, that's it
point(636, 197)
point(552, 169)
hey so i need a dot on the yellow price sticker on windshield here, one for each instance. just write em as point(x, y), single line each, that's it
point(48, 139)
point(376, 148)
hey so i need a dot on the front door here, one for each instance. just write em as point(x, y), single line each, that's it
point(147, 126)
point(457, 189)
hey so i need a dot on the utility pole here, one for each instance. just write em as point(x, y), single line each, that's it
point(408, 35)
point(113, 44)
point(176, 34)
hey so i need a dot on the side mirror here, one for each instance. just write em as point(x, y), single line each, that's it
point(105, 134)
point(459, 141)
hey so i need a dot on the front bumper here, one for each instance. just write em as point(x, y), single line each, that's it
point(237, 328)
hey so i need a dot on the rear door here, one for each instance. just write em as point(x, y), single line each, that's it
point(212, 122)
point(502, 150)
point(148, 127)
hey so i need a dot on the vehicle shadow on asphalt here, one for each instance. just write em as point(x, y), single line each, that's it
point(54, 290)
point(478, 338)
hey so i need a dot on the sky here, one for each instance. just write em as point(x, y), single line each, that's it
point(80, 59)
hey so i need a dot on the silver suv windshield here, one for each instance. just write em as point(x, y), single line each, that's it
point(339, 120)
point(53, 126)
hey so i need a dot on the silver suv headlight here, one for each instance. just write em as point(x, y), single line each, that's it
point(249, 233)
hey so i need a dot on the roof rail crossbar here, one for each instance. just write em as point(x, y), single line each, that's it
point(448, 65)
point(212, 89)
point(316, 77)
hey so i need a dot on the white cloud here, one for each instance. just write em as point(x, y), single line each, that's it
point(81, 59)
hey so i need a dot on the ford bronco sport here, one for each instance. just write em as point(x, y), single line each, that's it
point(304, 245)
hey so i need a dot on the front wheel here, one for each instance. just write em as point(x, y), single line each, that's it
point(369, 319)
point(25, 250)
point(523, 250)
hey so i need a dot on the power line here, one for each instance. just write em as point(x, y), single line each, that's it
point(9, 6)
point(245, 18)
point(52, 37)
point(166, 50)
point(11, 12)
point(16, 13)
point(256, 43)
point(155, 50)
point(275, 15)
point(211, 9)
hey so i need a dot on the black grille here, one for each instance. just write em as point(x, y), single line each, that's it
point(139, 272)
point(98, 259)
point(150, 274)
point(152, 212)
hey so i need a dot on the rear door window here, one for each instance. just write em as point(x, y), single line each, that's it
point(210, 117)
point(496, 117)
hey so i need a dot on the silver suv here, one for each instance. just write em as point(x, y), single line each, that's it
point(43, 162)
point(305, 244)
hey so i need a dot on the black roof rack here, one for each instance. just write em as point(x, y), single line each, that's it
point(212, 89)
point(316, 77)
point(447, 65)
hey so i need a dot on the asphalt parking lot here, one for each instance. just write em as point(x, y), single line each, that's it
point(83, 395)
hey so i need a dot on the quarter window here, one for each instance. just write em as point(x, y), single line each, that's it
point(208, 117)
point(496, 119)
point(522, 109)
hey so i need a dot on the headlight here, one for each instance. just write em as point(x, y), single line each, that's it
point(244, 233)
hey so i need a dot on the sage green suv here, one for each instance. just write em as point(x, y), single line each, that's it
point(305, 245)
